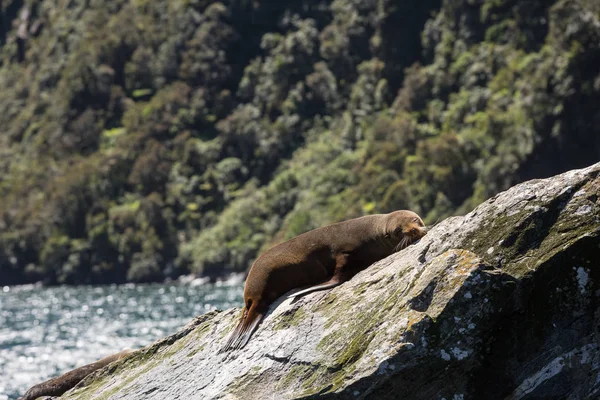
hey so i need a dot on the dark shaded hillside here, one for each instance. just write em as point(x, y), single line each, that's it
point(144, 139)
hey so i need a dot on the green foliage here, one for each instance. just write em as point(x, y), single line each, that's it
point(144, 139)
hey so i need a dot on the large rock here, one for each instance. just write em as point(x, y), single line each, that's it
point(502, 303)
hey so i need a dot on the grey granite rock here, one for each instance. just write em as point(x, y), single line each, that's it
point(502, 303)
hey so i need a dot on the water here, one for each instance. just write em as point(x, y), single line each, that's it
point(45, 332)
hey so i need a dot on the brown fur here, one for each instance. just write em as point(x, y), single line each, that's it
point(325, 257)
point(59, 385)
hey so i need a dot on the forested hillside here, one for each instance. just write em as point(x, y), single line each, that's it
point(143, 139)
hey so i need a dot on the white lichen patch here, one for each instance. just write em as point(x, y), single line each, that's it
point(585, 209)
point(550, 370)
point(468, 295)
point(458, 397)
point(382, 367)
point(490, 250)
point(460, 354)
point(583, 279)
point(512, 212)
point(445, 355)
point(402, 324)
point(586, 355)
point(567, 189)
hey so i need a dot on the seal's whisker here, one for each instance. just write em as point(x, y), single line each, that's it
point(402, 244)
point(430, 227)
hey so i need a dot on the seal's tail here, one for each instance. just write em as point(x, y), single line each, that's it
point(244, 329)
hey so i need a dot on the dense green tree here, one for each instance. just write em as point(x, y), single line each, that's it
point(140, 140)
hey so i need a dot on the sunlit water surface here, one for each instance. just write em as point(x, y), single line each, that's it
point(47, 331)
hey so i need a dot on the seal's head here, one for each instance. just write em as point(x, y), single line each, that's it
point(404, 228)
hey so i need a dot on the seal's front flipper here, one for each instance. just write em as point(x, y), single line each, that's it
point(333, 282)
point(339, 276)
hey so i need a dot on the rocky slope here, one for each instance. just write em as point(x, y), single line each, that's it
point(499, 304)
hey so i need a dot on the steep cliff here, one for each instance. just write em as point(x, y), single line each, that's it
point(502, 303)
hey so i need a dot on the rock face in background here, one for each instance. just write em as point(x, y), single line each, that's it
point(499, 304)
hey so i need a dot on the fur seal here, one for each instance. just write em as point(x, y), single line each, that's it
point(321, 259)
point(59, 385)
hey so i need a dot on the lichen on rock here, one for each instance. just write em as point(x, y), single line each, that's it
point(499, 304)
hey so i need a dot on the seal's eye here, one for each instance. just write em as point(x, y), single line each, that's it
point(413, 230)
point(418, 221)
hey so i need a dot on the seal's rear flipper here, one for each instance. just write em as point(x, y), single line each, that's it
point(246, 333)
point(235, 334)
point(244, 329)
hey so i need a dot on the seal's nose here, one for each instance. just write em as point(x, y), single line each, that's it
point(418, 232)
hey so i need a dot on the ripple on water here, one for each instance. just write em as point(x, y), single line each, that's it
point(47, 331)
